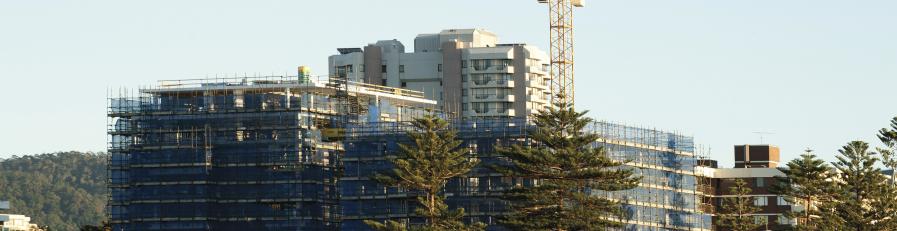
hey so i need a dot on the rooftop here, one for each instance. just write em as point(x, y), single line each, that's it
point(320, 84)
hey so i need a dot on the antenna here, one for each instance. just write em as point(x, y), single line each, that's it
point(763, 133)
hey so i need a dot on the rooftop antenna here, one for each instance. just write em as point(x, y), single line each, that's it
point(763, 133)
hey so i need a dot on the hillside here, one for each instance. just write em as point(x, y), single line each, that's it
point(61, 190)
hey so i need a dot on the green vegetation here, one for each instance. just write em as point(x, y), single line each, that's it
point(867, 197)
point(853, 195)
point(804, 184)
point(426, 166)
point(62, 191)
point(736, 210)
point(888, 137)
point(568, 170)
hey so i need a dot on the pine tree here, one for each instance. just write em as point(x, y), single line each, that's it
point(808, 182)
point(867, 200)
point(566, 171)
point(426, 165)
point(888, 137)
point(888, 201)
point(735, 212)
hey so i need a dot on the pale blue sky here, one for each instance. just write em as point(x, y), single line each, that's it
point(817, 73)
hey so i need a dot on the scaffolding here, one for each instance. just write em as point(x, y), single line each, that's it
point(706, 186)
point(664, 200)
point(251, 153)
point(277, 152)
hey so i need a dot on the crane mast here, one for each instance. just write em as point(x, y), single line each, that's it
point(560, 14)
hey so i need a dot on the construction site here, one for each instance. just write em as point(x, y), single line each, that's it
point(665, 199)
point(238, 154)
point(298, 152)
point(278, 153)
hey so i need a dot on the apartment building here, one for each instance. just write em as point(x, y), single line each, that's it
point(755, 165)
point(466, 71)
point(666, 198)
point(12, 222)
point(15, 222)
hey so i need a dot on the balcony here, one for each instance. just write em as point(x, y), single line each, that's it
point(491, 98)
point(508, 112)
point(491, 84)
point(538, 99)
point(540, 84)
point(537, 70)
point(488, 69)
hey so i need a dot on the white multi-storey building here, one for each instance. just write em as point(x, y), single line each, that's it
point(12, 222)
point(466, 71)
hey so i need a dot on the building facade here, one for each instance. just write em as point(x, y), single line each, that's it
point(665, 199)
point(466, 71)
point(756, 166)
point(294, 153)
point(238, 154)
point(283, 153)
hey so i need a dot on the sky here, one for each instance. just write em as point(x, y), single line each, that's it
point(813, 73)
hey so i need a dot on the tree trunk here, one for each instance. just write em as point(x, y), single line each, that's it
point(431, 201)
point(560, 208)
point(807, 212)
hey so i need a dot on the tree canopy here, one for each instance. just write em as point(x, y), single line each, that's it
point(807, 182)
point(63, 191)
point(426, 165)
point(567, 170)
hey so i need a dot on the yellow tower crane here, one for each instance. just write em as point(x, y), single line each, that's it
point(560, 13)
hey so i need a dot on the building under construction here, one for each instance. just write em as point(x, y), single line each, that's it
point(666, 198)
point(238, 154)
point(289, 153)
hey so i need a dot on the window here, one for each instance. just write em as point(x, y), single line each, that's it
point(780, 200)
point(483, 79)
point(782, 220)
point(383, 83)
point(761, 220)
point(350, 69)
point(401, 68)
point(463, 92)
point(480, 107)
point(464, 107)
point(503, 107)
point(383, 68)
point(484, 64)
point(439, 67)
point(464, 78)
point(761, 201)
point(342, 71)
point(404, 84)
point(761, 182)
point(463, 64)
point(473, 183)
point(361, 68)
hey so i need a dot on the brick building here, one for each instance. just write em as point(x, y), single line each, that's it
point(756, 165)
